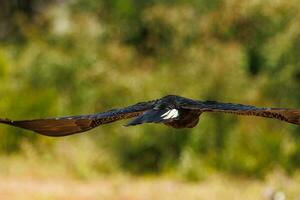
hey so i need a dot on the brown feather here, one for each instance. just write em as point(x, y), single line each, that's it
point(283, 114)
point(76, 124)
point(288, 115)
point(53, 127)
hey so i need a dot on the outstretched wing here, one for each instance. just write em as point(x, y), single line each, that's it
point(76, 124)
point(288, 115)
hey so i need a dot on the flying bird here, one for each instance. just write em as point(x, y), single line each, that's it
point(171, 110)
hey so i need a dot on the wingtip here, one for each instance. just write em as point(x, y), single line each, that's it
point(5, 121)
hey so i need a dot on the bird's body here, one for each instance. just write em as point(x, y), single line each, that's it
point(171, 110)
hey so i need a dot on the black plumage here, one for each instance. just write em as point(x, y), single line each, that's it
point(171, 110)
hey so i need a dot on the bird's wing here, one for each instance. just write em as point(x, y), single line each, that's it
point(76, 124)
point(288, 115)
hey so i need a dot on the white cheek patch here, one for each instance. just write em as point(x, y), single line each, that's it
point(170, 114)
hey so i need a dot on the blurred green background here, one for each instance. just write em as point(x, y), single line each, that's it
point(64, 57)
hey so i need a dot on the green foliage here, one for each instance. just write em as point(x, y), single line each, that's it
point(78, 57)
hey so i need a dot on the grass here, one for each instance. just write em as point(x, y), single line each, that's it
point(70, 172)
point(144, 188)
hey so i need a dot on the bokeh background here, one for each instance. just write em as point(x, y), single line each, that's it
point(69, 57)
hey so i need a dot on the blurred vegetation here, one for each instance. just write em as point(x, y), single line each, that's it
point(86, 56)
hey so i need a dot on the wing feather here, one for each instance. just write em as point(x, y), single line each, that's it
point(76, 124)
point(283, 114)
